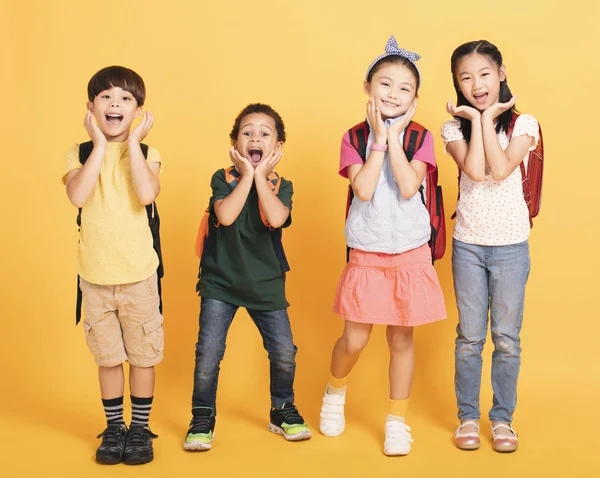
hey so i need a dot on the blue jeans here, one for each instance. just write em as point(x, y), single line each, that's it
point(494, 278)
point(274, 327)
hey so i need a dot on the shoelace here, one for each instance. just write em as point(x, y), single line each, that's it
point(396, 429)
point(140, 436)
point(200, 425)
point(291, 415)
point(110, 436)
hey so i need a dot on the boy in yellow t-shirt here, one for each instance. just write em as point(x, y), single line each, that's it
point(116, 261)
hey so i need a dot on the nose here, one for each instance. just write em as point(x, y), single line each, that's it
point(393, 95)
point(115, 102)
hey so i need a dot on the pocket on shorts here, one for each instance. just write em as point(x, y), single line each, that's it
point(154, 338)
point(151, 285)
point(92, 339)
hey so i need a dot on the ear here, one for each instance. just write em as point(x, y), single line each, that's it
point(279, 146)
point(138, 112)
point(367, 87)
point(90, 106)
point(502, 73)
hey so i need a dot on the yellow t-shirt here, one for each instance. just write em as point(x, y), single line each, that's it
point(115, 242)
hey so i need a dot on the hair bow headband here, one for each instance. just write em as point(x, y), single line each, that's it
point(392, 49)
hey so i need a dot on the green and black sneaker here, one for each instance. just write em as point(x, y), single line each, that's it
point(288, 422)
point(202, 430)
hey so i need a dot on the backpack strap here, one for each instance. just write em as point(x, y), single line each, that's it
point(85, 150)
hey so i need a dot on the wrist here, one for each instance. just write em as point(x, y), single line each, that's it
point(379, 145)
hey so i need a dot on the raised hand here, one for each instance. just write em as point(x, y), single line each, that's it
point(142, 129)
point(241, 164)
point(96, 135)
point(376, 121)
point(498, 108)
point(466, 112)
point(268, 164)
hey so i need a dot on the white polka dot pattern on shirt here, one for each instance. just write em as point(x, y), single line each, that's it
point(492, 212)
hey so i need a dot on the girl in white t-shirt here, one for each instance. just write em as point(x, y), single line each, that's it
point(490, 252)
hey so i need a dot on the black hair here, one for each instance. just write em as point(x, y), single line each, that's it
point(117, 76)
point(258, 108)
point(395, 59)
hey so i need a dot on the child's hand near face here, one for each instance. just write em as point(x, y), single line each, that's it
point(376, 122)
point(97, 136)
point(396, 128)
point(142, 130)
point(241, 164)
point(466, 112)
point(498, 108)
point(267, 165)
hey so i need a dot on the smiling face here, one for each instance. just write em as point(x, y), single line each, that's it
point(114, 110)
point(394, 88)
point(479, 80)
point(257, 137)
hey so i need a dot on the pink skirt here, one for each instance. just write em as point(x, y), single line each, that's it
point(391, 289)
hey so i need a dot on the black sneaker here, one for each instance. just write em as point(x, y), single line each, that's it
point(110, 451)
point(288, 422)
point(202, 430)
point(139, 445)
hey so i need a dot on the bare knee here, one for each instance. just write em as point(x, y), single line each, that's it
point(400, 339)
point(355, 342)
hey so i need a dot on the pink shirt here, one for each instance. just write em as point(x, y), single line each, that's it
point(349, 155)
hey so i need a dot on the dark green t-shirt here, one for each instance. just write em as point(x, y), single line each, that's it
point(239, 264)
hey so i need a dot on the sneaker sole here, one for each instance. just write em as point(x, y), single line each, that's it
point(303, 435)
point(333, 433)
point(138, 461)
point(396, 453)
point(197, 445)
point(109, 461)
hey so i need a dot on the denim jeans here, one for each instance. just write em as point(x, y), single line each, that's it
point(489, 278)
point(274, 327)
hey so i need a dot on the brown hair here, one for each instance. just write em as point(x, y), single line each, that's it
point(117, 76)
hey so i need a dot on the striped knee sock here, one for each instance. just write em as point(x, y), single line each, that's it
point(113, 409)
point(140, 410)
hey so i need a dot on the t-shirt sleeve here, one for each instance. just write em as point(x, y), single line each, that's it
point(155, 157)
point(527, 124)
point(220, 188)
point(286, 191)
point(72, 162)
point(426, 152)
point(451, 132)
point(348, 156)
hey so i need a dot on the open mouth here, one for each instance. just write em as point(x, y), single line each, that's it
point(114, 118)
point(255, 155)
point(480, 97)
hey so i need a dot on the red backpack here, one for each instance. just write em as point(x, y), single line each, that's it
point(232, 177)
point(532, 176)
point(414, 136)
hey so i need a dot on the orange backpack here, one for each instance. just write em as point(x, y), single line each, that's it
point(232, 177)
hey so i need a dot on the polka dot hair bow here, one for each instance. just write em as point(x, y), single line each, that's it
point(392, 49)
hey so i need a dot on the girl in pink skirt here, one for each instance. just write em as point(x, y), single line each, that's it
point(389, 278)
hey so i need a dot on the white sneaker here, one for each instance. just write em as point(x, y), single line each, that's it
point(332, 415)
point(397, 438)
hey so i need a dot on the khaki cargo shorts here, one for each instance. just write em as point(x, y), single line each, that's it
point(123, 322)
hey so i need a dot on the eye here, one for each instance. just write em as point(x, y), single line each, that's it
point(406, 89)
point(465, 78)
point(127, 98)
point(266, 134)
point(106, 97)
point(485, 74)
point(385, 83)
point(246, 133)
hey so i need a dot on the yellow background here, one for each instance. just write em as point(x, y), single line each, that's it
point(204, 61)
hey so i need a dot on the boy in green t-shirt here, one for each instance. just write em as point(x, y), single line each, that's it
point(243, 265)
